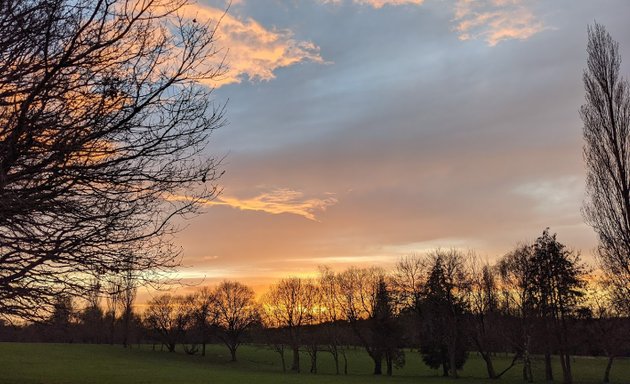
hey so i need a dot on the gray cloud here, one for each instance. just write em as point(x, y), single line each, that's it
point(421, 137)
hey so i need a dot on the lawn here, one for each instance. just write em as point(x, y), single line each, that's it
point(75, 363)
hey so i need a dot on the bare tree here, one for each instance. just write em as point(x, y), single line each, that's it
point(273, 335)
point(204, 315)
point(606, 117)
point(168, 317)
point(332, 316)
point(288, 303)
point(483, 304)
point(113, 303)
point(516, 302)
point(236, 312)
point(359, 288)
point(186, 313)
point(103, 128)
point(408, 280)
point(314, 333)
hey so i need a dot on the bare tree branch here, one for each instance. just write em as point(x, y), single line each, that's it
point(103, 133)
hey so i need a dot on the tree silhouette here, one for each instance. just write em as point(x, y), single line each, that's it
point(332, 316)
point(61, 319)
point(103, 125)
point(204, 315)
point(168, 318)
point(514, 271)
point(236, 311)
point(386, 332)
point(606, 117)
point(443, 337)
point(483, 305)
point(288, 306)
point(358, 288)
point(556, 282)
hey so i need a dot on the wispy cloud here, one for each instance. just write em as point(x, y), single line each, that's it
point(490, 20)
point(277, 201)
point(561, 195)
point(495, 20)
point(253, 51)
point(378, 3)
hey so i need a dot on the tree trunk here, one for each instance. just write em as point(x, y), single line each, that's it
point(453, 362)
point(295, 366)
point(390, 363)
point(512, 364)
point(489, 366)
point(528, 376)
point(608, 368)
point(335, 354)
point(345, 363)
point(378, 365)
point(203, 348)
point(126, 319)
point(548, 368)
point(233, 352)
point(565, 357)
point(284, 363)
point(486, 356)
point(567, 377)
point(314, 361)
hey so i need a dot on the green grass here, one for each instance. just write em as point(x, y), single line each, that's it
point(70, 364)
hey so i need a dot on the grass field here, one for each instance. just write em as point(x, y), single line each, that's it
point(74, 364)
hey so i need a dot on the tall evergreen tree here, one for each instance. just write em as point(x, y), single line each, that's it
point(385, 330)
point(556, 281)
point(443, 308)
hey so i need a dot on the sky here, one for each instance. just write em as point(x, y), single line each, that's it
point(360, 131)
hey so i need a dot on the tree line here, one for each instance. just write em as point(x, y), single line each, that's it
point(538, 299)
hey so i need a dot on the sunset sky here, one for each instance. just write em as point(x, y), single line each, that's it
point(363, 130)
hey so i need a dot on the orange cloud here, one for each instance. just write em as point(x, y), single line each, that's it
point(491, 20)
point(277, 201)
point(495, 20)
point(379, 3)
point(252, 51)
